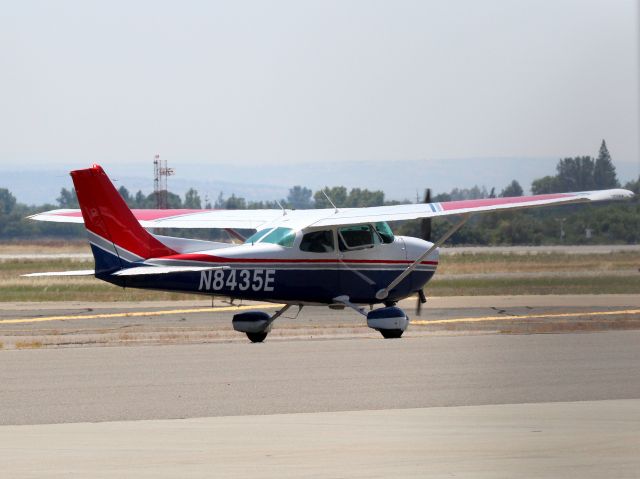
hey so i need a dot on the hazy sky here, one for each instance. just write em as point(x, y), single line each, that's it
point(299, 81)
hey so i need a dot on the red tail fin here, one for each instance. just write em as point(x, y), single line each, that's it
point(108, 217)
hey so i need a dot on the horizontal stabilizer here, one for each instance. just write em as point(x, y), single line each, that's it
point(145, 270)
point(81, 272)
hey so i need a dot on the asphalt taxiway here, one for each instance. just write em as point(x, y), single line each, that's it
point(467, 406)
point(178, 393)
point(239, 378)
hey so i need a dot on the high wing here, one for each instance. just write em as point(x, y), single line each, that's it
point(259, 219)
point(448, 208)
point(178, 218)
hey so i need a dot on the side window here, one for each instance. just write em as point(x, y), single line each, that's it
point(355, 237)
point(317, 242)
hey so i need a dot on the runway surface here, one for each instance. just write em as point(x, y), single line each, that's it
point(179, 394)
point(161, 382)
point(593, 439)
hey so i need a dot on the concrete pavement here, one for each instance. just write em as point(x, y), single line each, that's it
point(592, 439)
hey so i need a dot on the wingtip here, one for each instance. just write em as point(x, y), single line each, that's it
point(613, 194)
point(622, 193)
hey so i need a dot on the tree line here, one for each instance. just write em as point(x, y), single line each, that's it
point(608, 223)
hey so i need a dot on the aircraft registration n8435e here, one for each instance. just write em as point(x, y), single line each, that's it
point(338, 257)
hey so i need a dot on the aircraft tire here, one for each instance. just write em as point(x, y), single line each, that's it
point(257, 337)
point(391, 333)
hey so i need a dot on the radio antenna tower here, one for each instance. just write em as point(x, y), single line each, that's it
point(161, 172)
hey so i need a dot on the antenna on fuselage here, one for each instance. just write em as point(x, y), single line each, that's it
point(329, 200)
point(284, 212)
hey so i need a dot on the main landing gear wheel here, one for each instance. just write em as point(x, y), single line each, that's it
point(256, 324)
point(258, 337)
point(391, 333)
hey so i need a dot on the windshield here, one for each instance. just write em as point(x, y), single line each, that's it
point(255, 237)
point(280, 236)
point(384, 231)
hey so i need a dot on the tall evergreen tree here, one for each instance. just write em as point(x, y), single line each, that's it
point(576, 174)
point(192, 199)
point(604, 173)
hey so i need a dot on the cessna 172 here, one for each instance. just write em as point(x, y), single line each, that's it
point(339, 257)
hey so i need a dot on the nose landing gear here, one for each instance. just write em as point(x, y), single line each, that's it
point(391, 321)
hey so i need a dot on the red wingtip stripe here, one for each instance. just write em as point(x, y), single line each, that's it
point(484, 202)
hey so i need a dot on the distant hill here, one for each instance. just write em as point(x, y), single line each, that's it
point(398, 179)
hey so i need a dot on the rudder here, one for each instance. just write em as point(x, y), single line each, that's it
point(116, 237)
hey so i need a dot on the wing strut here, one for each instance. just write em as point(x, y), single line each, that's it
point(384, 292)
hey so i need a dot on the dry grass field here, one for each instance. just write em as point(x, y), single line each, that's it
point(472, 263)
point(80, 246)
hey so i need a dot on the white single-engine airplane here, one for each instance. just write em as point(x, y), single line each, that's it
point(339, 257)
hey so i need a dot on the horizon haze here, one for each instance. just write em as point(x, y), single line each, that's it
point(318, 85)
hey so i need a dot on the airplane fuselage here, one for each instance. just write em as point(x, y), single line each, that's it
point(270, 272)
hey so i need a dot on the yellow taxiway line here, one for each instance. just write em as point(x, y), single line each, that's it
point(624, 312)
point(223, 309)
point(134, 314)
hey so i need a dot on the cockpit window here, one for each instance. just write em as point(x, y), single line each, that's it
point(385, 232)
point(280, 236)
point(355, 237)
point(317, 242)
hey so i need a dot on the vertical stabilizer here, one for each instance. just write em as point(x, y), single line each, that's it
point(116, 237)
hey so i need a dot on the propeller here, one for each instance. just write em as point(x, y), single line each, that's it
point(425, 223)
point(425, 234)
